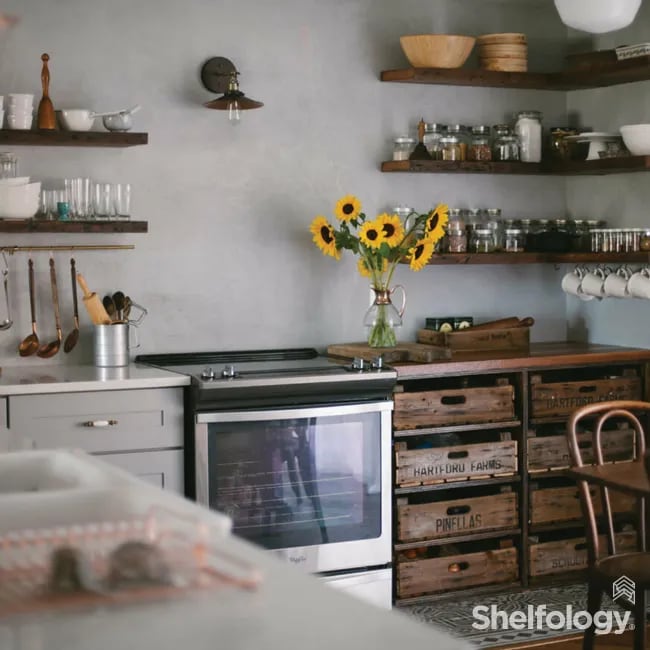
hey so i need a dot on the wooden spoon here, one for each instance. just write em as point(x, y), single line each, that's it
point(73, 337)
point(48, 350)
point(109, 306)
point(29, 344)
point(46, 116)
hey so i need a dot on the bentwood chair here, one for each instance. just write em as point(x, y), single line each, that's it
point(606, 565)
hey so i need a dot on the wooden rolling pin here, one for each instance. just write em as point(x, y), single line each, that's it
point(505, 323)
point(94, 307)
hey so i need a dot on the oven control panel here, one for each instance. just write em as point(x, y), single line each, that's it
point(362, 364)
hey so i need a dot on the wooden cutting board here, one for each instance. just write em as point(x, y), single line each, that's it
point(418, 352)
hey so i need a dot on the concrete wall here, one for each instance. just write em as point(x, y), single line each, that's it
point(228, 262)
point(621, 199)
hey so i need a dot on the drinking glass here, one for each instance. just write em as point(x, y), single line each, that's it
point(8, 165)
point(102, 201)
point(48, 207)
point(122, 201)
point(79, 196)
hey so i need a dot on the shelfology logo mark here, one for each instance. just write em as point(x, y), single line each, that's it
point(540, 617)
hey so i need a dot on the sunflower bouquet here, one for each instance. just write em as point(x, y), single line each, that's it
point(380, 244)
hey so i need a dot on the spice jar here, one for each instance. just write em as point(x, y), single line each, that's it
point(450, 148)
point(506, 145)
point(514, 240)
point(402, 147)
point(479, 148)
point(460, 131)
point(431, 140)
point(529, 130)
point(482, 241)
point(457, 240)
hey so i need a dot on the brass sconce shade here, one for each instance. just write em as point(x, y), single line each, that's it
point(219, 75)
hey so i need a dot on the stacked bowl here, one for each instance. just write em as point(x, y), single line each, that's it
point(20, 111)
point(503, 52)
point(19, 199)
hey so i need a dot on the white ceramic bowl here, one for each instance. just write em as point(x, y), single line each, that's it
point(19, 201)
point(21, 122)
point(118, 122)
point(77, 119)
point(637, 138)
point(597, 16)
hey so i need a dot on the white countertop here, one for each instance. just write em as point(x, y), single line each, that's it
point(23, 380)
point(289, 610)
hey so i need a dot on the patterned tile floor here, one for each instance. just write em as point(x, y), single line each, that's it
point(456, 616)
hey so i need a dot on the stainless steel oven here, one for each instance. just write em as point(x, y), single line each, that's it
point(295, 448)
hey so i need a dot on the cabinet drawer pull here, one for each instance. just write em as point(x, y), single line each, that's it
point(100, 423)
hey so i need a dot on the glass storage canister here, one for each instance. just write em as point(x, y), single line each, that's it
point(479, 148)
point(457, 240)
point(482, 241)
point(505, 147)
point(431, 140)
point(514, 240)
point(402, 147)
point(403, 212)
point(529, 131)
point(494, 223)
point(460, 131)
point(450, 148)
point(456, 219)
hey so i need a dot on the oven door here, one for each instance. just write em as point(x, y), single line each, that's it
point(311, 484)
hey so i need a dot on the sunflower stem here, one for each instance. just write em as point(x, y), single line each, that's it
point(382, 334)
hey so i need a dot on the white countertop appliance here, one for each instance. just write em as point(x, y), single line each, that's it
point(295, 448)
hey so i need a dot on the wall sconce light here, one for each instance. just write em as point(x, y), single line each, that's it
point(219, 75)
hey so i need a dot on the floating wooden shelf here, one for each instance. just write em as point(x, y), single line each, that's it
point(72, 138)
point(609, 74)
point(622, 165)
point(541, 258)
point(34, 225)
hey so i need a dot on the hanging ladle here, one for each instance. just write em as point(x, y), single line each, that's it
point(7, 322)
point(48, 350)
point(29, 344)
point(73, 337)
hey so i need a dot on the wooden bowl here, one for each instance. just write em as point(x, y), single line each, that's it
point(437, 50)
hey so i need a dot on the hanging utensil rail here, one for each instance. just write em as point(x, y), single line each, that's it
point(74, 247)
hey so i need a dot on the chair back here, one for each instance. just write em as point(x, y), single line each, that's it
point(595, 417)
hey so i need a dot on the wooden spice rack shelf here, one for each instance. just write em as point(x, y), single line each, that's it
point(36, 226)
point(605, 166)
point(606, 74)
point(42, 138)
point(540, 258)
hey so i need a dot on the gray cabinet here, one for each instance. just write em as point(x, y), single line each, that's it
point(140, 430)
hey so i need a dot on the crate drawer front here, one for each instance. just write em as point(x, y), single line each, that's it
point(421, 466)
point(563, 504)
point(456, 572)
point(99, 421)
point(448, 518)
point(447, 407)
point(548, 558)
point(562, 398)
point(552, 452)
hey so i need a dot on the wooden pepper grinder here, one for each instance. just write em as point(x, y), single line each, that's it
point(46, 116)
point(420, 152)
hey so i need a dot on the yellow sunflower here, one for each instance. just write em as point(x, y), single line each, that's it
point(362, 267)
point(371, 234)
point(434, 226)
point(391, 228)
point(324, 237)
point(347, 208)
point(420, 254)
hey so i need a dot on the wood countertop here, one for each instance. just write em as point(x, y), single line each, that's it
point(539, 355)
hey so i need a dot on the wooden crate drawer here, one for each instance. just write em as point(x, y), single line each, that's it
point(564, 555)
point(552, 452)
point(563, 504)
point(456, 572)
point(462, 516)
point(562, 398)
point(139, 419)
point(422, 466)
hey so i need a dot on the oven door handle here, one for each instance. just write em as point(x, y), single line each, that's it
point(295, 413)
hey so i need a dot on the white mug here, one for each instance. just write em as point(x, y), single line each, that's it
point(571, 284)
point(592, 283)
point(639, 284)
point(615, 285)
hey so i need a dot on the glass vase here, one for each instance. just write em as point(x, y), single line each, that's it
point(383, 317)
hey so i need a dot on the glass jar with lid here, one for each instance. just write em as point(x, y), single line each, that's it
point(403, 147)
point(460, 132)
point(505, 147)
point(450, 148)
point(482, 241)
point(456, 219)
point(494, 223)
point(514, 240)
point(404, 212)
point(457, 240)
point(431, 140)
point(479, 147)
point(528, 129)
